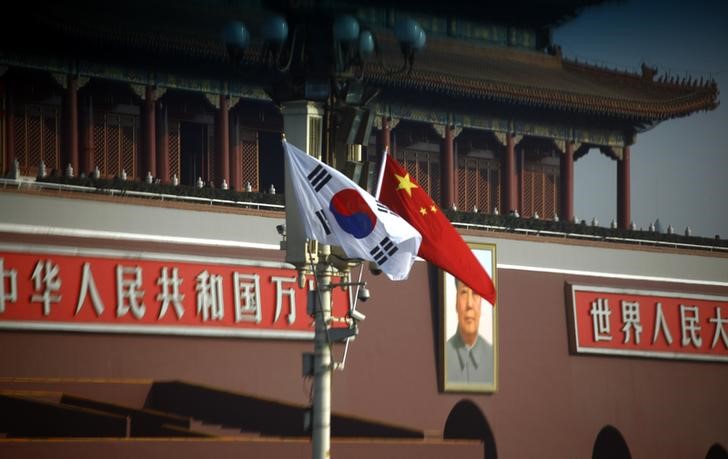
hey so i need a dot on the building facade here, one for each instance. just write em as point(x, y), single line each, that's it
point(150, 323)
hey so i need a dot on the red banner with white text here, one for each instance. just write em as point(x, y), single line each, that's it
point(649, 324)
point(111, 291)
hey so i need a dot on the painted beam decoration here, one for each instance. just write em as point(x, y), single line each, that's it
point(644, 323)
point(90, 290)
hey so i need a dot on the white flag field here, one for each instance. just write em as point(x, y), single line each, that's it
point(334, 210)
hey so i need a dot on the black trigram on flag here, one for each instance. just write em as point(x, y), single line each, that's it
point(382, 208)
point(383, 251)
point(319, 177)
point(323, 220)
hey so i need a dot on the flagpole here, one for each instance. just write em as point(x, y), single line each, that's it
point(380, 175)
point(322, 364)
point(312, 189)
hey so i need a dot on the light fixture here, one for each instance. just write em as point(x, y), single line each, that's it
point(236, 38)
point(352, 44)
point(275, 30)
point(407, 31)
point(363, 295)
point(412, 38)
point(366, 43)
point(346, 29)
point(357, 316)
point(374, 268)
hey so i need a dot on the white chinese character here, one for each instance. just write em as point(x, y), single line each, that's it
point(128, 287)
point(690, 325)
point(661, 324)
point(290, 293)
point(600, 313)
point(165, 296)
point(11, 294)
point(89, 286)
point(45, 283)
point(719, 330)
point(247, 297)
point(209, 296)
point(631, 320)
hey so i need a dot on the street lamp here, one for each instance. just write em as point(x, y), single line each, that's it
point(323, 60)
point(319, 47)
point(236, 38)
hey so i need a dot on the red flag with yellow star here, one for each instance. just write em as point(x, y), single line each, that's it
point(441, 244)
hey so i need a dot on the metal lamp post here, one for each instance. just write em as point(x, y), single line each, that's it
point(321, 428)
point(320, 67)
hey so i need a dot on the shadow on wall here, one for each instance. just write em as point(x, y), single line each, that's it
point(610, 445)
point(716, 452)
point(466, 421)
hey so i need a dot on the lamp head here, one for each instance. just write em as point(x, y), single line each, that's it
point(364, 294)
point(366, 43)
point(346, 28)
point(235, 34)
point(275, 30)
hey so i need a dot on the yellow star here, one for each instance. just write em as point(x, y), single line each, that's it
point(405, 184)
point(433, 209)
point(423, 211)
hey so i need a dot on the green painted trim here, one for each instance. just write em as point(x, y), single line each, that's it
point(591, 135)
point(596, 136)
point(136, 76)
point(452, 27)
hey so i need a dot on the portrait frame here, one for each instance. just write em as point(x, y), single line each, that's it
point(451, 380)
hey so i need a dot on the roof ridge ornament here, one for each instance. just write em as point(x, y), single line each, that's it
point(648, 72)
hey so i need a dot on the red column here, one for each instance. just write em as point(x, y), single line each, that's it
point(623, 192)
point(70, 112)
point(520, 177)
point(162, 144)
point(455, 196)
point(236, 163)
point(86, 160)
point(567, 183)
point(9, 129)
point(510, 179)
point(222, 132)
point(447, 153)
point(150, 134)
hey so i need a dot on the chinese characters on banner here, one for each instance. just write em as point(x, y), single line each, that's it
point(118, 293)
point(651, 324)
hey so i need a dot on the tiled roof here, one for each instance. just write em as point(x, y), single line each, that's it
point(469, 71)
point(535, 79)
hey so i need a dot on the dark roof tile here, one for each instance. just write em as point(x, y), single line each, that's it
point(538, 79)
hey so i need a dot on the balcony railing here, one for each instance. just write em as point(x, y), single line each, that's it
point(460, 219)
point(183, 193)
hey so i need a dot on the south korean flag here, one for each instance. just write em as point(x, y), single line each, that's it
point(334, 210)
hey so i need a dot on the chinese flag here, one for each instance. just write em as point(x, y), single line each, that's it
point(441, 244)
